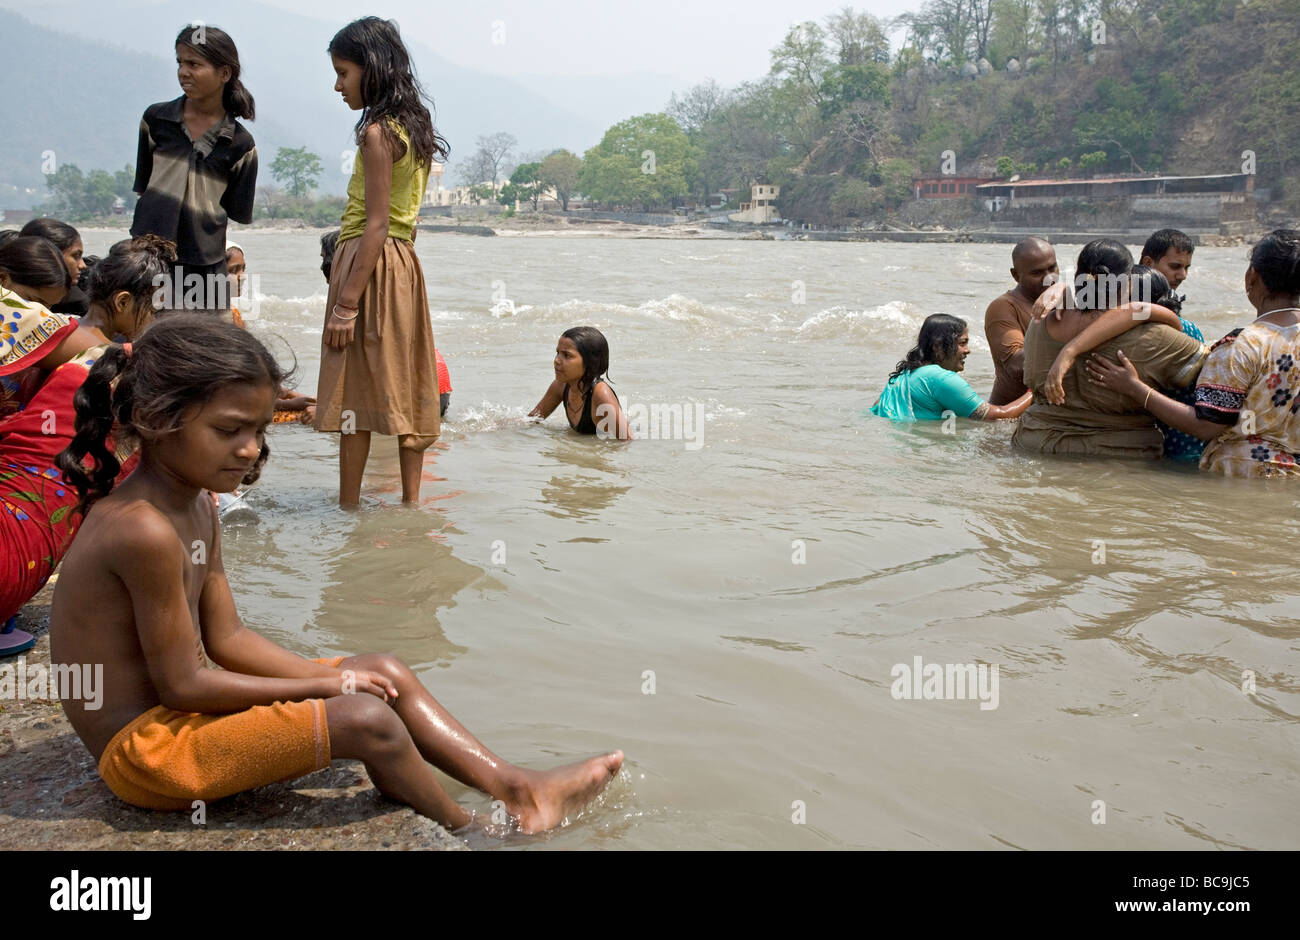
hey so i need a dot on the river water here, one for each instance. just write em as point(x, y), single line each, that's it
point(729, 606)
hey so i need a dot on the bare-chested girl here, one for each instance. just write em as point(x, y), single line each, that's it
point(144, 593)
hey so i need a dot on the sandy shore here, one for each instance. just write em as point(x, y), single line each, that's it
point(52, 798)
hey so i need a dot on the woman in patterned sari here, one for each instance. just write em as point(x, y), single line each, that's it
point(1248, 395)
point(44, 359)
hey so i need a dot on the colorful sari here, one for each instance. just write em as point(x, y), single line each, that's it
point(37, 421)
point(1251, 382)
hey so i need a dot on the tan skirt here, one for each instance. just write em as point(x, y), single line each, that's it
point(386, 379)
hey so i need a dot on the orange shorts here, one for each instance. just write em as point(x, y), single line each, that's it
point(166, 759)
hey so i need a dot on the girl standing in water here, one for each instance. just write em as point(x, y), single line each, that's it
point(378, 371)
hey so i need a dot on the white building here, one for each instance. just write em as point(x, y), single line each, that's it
point(761, 209)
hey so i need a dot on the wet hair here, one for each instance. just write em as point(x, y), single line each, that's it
point(329, 243)
point(1150, 286)
point(62, 234)
point(133, 265)
point(34, 262)
point(389, 88)
point(216, 47)
point(1276, 259)
point(594, 350)
point(937, 341)
point(180, 363)
point(1105, 259)
point(1164, 241)
point(8, 235)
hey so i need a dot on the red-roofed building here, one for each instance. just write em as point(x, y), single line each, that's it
point(946, 187)
point(1045, 192)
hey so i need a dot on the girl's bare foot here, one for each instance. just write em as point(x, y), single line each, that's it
point(543, 799)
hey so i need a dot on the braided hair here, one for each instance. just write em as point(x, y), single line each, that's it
point(180, 362)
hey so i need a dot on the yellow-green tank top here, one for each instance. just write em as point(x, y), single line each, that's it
point(409, 179)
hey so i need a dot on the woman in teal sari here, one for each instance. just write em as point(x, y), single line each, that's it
point(926, 386)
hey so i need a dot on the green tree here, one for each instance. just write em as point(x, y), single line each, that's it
point(560, 171)
point(97, 193)
point(297, 169)
point(67, 189)
point(801, 61)
point(643, 161)
point(525, 184)
point(1089, 161)
point(846, 84)
point(896, 175)
point(859, 38)
point(1006, 167)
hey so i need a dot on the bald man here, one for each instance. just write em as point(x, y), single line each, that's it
point(1007, 318)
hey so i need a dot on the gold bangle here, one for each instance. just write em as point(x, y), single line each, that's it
point(335, 313)
point(1147, 399)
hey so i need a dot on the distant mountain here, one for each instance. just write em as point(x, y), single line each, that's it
point(81, 95)
point(606, 98)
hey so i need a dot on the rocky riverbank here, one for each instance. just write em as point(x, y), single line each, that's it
point(52, 798)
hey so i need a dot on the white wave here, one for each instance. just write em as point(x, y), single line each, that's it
point(897, 314)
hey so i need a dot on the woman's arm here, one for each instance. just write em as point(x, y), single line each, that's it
point(610, 419)
point(550, 401)
point(1112, 323)
point(1123, 377)
point(378, 163)
point(1013, 410)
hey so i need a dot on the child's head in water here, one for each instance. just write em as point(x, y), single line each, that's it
point(329, 243)
point(581, 356)
point(195, 392)
point(236, 268)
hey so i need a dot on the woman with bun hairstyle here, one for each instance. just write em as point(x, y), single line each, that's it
point(1073, 416)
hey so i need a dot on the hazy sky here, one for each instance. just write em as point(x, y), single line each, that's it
point(687, 39)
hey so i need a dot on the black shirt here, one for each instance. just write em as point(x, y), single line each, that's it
point(188, 188)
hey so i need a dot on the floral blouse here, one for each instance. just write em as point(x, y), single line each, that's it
point(1251, 382)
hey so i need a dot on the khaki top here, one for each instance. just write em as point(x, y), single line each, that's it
point(1096, 420)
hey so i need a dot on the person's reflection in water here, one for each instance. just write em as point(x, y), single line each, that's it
point(584, 495)
point(388, 581)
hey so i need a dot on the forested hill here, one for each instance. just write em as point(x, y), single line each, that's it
point(1044, 87)
point(75, 101)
